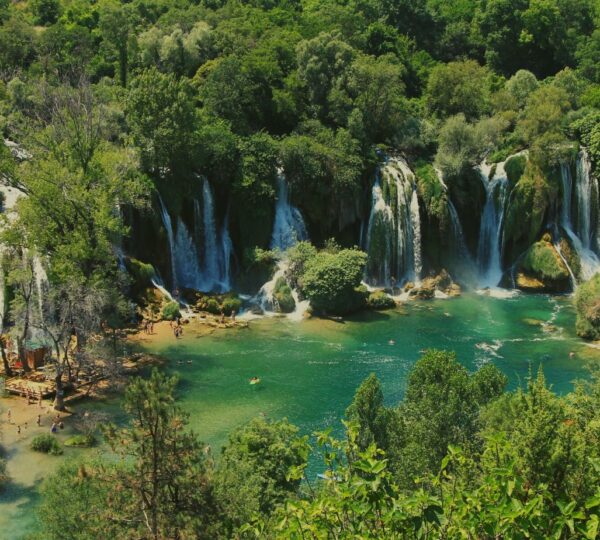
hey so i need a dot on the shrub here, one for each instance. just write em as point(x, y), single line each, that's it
point(332, 282)
point(170, 311)
point(141, 275)
point(81, 441)
point(587, 306)
point(230, 304)
point(543, 260)
point(283, 296)
point(380, 300)
point(212, 306)
point(3, 475)
point(47, 444)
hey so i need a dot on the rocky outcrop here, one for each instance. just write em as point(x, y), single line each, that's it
point(542, 269)
point(430, 287)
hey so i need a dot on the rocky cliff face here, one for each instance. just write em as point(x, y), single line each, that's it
point(512, 218)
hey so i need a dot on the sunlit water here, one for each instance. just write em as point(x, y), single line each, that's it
point(309, 370)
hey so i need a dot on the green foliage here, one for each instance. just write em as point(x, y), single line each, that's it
point(46, 11)
point(160, 111)
point(266, 459)
point(379, 300)
point(514, 168)
point(283, 296)
point(459, 88)
point(331, 281)
point(231, 304)
point(587, 305)
point(369, 416)
point(81, 441)
point(170, 311)
point(531, 197)
point(46, 444)
point(80, 494)
point(542, 260)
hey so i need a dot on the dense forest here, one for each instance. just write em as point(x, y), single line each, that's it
point(325, 147)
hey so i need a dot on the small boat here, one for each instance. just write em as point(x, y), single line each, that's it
point(254, 380)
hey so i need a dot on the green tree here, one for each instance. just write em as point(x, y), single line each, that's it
point(332, 281)
point(369, 415)
point(163, 489)
point(46, 11)
point(260, 467)
point(160, 111)
point(459, 88)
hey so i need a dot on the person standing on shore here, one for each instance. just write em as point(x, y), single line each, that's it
point(8, 415)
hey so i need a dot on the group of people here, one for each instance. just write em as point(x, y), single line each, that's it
point(148, 326)
point(58, 423)
point(177, 327)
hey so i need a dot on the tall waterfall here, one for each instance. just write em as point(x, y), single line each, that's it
point(458, 235)
point(489, 249)
point(166, 219)
point(201, 261)
point(582, 236)
point(393, 240)
point(289, 226)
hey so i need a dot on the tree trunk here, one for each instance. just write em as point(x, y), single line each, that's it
point(59, 399)
point(7, 369)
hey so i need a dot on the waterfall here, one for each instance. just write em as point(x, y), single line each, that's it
point(585, 189)
point(415, 220)
point(393, 239)
point(458, 235)
point(187, 264)
point(489, 249)
point(166, 219)
point(288, 227)
point(211, 270)
point(41, 282)
point(201, 261)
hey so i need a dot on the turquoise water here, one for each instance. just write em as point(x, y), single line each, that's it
point(310, 369)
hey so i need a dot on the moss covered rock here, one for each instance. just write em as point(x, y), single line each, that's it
point(284, 301)
point(379, 300)
point(542, 269)
point(587, 305)
point(530, 202)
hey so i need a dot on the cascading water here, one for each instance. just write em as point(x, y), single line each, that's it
point(458, 235)
point(288, 227)
point(166, 219)
point(393, 240)
point(201, 261)
point(187, 265)
point(581, 239)
point(489, 249)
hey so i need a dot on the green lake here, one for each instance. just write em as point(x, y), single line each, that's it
point(309, 370)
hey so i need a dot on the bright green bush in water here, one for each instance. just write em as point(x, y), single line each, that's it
point(283, 296)
point(46, 444)
point(543, 260)
point(81, 441)
point(332, 282)
point(587, 305)
point(380, 300)
point(231, 304)
point(170, 311)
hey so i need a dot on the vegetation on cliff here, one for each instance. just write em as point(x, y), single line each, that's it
point(587, 304)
